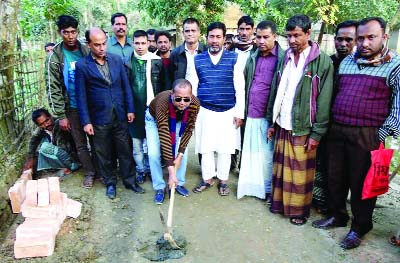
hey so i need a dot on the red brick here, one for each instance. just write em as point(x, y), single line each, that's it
point(34, 247)
point(54, 222)
point(43, 192)
point(31, 229)
point(73, 208)
point(31, 192)
point(54, 190)
point(49, 211)
point(17, 195)
point(26, 175)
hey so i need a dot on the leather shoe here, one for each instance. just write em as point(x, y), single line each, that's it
point(180, 189)
point(135, 187)
point(351, 240)
point(111, 191)
point(328, 223)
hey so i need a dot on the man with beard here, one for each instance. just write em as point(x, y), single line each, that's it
point(151, 38)
point(60, 85)
point(163, 40)
point(221, 96)
point(50, 147)
point(182, 57)
point(364, 112)
point(298, 115)
point(120, 44)
point(345, 40)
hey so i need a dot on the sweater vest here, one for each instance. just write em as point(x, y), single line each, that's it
point(363, 97)
point(216, 90)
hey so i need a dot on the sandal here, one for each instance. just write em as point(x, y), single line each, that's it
point(223, 189)
point(88, 181)
point(298, 221)
point(202, 187)
point(394, 241)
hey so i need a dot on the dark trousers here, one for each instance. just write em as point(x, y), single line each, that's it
point(349, 160)
point(81, 142)
point(115, 138)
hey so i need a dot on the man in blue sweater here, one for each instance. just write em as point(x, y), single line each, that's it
point(221, 96)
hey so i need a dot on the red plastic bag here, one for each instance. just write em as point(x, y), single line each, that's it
point(377, 179)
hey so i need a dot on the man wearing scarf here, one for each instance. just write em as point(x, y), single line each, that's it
point(170, 121)
point(146, 77)
point(365, 112)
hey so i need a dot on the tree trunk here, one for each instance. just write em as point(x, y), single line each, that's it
point(321, 33)
point(8, 35)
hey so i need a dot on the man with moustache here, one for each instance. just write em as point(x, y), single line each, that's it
point(49, 147)
point(120, 44)
point(61, 90)
point(170, 121)
point(221, 96)
point(182, 57)
point(257, 152)
point(345, 41)
point(106, 106)
point(163, 40)
point(151, 38)
point(364, 112)
point(298, 115)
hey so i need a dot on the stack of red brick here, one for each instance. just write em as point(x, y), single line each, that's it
point(44, 208)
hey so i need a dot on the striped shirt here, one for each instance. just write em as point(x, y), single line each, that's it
point(159, 109)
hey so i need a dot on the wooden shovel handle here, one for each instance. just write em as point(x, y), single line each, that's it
point(171, 207)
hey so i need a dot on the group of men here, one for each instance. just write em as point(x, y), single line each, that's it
point(286, 111)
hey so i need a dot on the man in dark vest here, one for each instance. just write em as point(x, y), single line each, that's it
point(364, 113)
point(221, 96)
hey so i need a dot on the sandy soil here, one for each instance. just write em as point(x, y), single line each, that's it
point(218, 229)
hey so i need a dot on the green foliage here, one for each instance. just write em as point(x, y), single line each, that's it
point(173, 12)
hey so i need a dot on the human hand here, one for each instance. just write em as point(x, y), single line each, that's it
point(88, 128)
point(238, 122)
point(172, 180)
point(311, 144)
point(270, 133)
point(131, 117)
point(64, 124)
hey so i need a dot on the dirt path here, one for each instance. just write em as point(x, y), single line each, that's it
point(218, 229)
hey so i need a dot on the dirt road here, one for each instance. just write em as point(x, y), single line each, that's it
point(218, 229)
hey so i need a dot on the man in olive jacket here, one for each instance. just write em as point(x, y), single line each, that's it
point(300, 115)
point(257, 151)
point(60, 85)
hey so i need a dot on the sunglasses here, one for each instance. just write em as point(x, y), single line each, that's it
point(185, 99)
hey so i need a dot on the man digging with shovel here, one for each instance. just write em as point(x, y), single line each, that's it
point(170, 121)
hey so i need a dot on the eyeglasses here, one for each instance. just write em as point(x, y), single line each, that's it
point(72, 32)
point(185, 99)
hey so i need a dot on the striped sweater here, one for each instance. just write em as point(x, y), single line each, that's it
point(160, 111)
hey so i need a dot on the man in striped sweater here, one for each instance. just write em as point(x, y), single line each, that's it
point(221, 95)
point(170, 121)
point(364, 113)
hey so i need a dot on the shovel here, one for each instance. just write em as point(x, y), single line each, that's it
point(168, 226)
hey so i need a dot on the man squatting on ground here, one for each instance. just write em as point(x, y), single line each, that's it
point(170, 121)
point(49, 147)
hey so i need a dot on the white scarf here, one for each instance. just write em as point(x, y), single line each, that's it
point(149, 87)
